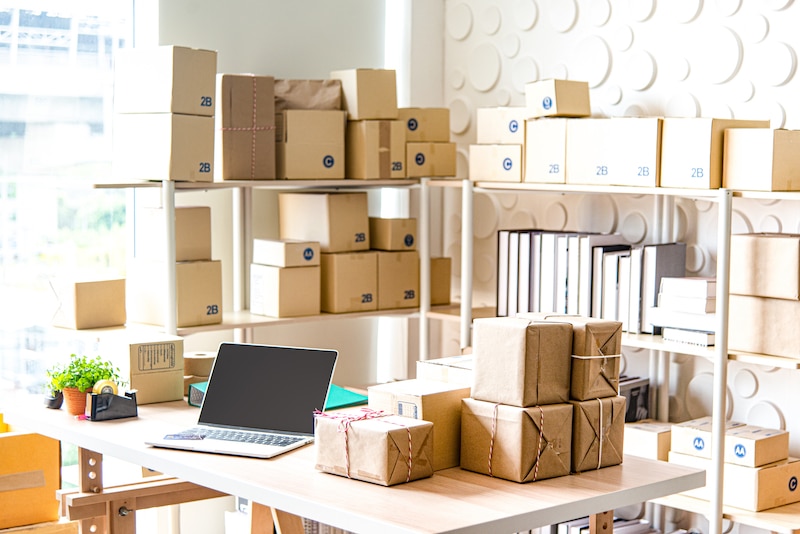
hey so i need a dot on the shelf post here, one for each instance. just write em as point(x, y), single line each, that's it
point(719, 408)
point(171, 297)
point(424, 242)
point(466, 262)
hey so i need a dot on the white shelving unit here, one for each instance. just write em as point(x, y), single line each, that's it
point(240, 319)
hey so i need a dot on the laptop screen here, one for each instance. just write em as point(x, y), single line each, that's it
point(267, 388)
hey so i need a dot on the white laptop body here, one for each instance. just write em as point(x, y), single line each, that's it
point(256, 389)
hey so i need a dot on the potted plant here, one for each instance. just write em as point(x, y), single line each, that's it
point(78, 377)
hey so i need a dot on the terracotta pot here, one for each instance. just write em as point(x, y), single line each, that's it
point(75, 401)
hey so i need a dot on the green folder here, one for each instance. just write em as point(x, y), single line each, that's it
point(338, 397)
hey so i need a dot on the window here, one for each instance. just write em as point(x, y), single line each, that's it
point(56, 83)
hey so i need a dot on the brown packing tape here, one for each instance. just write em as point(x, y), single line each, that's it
point(384, 149)
point(20, 481)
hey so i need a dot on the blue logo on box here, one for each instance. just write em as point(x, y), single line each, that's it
point(740, 451)
point(699, 444)
point(420, 159)
point(308, 254)
point(412, 124)
point(547, 102)
point(507, 164)
point(408, 240)
point(327, 161)
point(513, 126)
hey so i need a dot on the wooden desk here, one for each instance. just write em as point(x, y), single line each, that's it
point(452, 501)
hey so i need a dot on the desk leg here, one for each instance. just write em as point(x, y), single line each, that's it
point(90, 472)
point(602, 523)
point(264, 518)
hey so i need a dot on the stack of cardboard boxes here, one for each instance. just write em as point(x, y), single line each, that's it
point(285, 278)
point(499, 155)
point(429, 152)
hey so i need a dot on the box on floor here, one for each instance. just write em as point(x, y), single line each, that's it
point(310, 144)
point(513, 443)
point(437, 402)
point(31, 474)
point(339, 222)
point(521, 363)
point(89, 304)
point(598, 431)
point(425, 124)
point(374, 449)
point(165, 79)
point(245, 123)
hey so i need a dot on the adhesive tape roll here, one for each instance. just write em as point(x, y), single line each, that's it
point(105, 386)
point(198, 363)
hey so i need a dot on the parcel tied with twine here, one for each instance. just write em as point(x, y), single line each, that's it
point(374, 447)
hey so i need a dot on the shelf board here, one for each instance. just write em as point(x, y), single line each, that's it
point(764, 359)
point(768, 195)
point(654, 342)
point(268, 184)
point(782, 520)
point(452, 312)
point(710, 194)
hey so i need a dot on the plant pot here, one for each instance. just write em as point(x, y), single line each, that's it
point(75, 401)
point(54, 399)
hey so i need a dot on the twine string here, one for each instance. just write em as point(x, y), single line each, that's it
point(602, 437)
point(491, 439)
point(345, 420)
point(539, 445)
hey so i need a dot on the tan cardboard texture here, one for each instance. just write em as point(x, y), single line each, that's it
point(764, 326)
point(521, 363)
point(765, 265)
point(307, 94)
point(376, 449)
point(596, 349)
point(245, 124)
point(375, 149)
point(598, 428)
point(647, 439)
point(526, 444)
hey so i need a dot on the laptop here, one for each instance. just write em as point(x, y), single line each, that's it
point(260, 401)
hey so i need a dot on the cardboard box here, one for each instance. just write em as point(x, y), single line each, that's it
point(749, 488)
point(501, 125)
point(339, 222)
point(349, 282)
point(557, 98)
point(430, 159)
point(285, 291)
point(430, 125)
point(598, 428)
point(374, 449)
point(89, 304)
point(178, 147)
point(165, 79)
point(647, 439)
point(760, 159)
point(152, 364)
point(765, 265)
point(198, 289)
point(440, 281)
point(452, 369)
point(764, 326)
point(619, 151)
point(368, 93)
point(694, 436)
point(307, 94)
point(392, 234)
point(596, 350)
point(375, 149)
point(30, 475)
point(495, 163)
point(526, 444)
point(521, 363)
point(398, 279)
point(310, 144)
point(437, 402)
point(245, 124)
point(286, 252)
point(692, 150)
point(192, 233)
point(546, 151)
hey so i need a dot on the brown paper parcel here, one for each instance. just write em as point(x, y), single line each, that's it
point(596, 349)
point(518, 434)
point(598, 426)
point(376, 449)
point(245, 121)
point(521, 363)
point(307, 94)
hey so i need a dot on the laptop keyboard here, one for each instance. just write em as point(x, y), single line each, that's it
point(278, 440)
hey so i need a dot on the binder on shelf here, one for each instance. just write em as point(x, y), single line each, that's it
point(658, 261)
point(586, 244)
point(598, 255)
point(635, 291)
